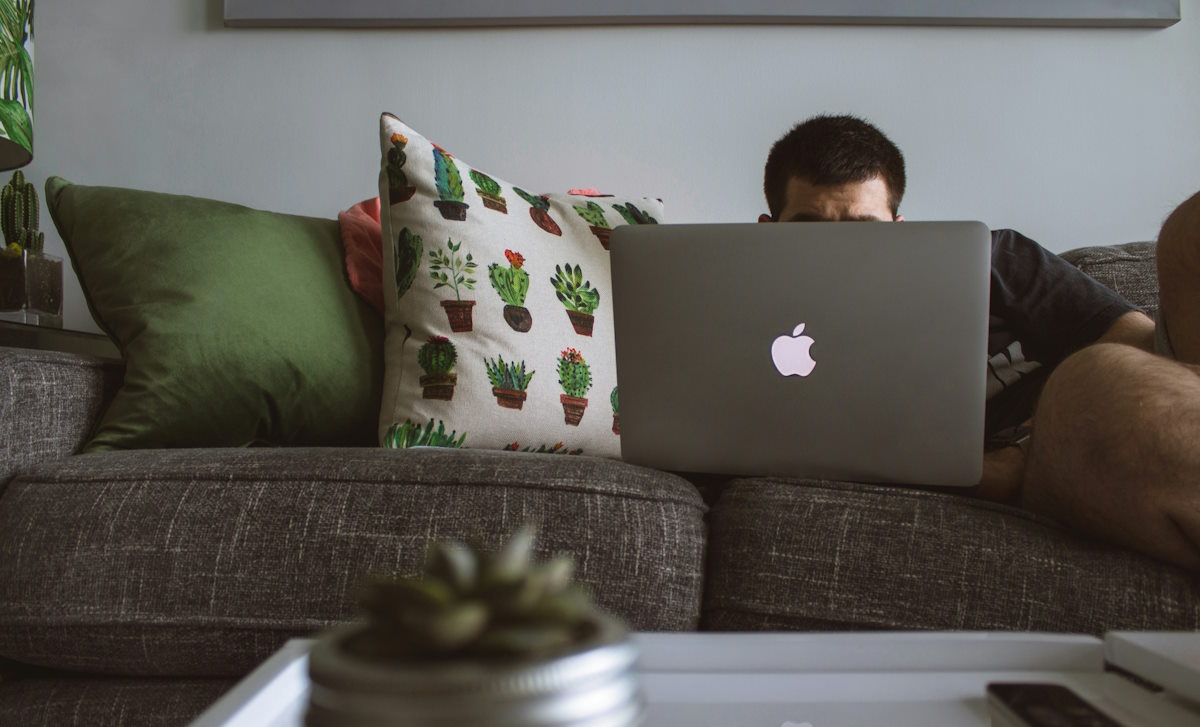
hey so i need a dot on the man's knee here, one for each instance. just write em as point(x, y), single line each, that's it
point(1179, 239)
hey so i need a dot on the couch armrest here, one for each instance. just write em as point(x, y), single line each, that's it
point(49, 404)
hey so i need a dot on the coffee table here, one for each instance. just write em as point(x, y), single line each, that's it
point(820, 680)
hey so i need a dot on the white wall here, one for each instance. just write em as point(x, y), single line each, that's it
point(1074, 136)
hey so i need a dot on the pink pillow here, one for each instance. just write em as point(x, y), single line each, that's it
point(363, 240)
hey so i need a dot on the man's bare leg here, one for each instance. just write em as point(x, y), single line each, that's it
point(1116, 437)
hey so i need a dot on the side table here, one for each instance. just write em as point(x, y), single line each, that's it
point(22, 335)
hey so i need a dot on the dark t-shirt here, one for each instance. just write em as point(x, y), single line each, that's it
point(1042, 310)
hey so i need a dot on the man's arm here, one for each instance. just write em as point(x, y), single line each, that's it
point(1132, 329)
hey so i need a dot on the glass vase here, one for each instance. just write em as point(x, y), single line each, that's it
point(31, 288)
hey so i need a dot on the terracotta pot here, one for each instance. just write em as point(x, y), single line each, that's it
point(396, 195)
point(493, 201)
point(509, 398)
point(593, 682)
point(545, 221)
point(451, 209)
point(582, 322)
point(438, 386)
point(616, 423)
point(573, 408)
point(518, 318)
point(458, 312)
point(602, 233)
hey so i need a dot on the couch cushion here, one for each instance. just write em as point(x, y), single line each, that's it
point(1129, 269)
point(184, 562)
point(824, 555)
point(49, 702)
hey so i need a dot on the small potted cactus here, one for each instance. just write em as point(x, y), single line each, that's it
point(407, 250)
point(577, 295)
point(449, 186)
point(512, 285)
point(402, 435)
point(593, 214)
point(616, 412)
point(399, 189)
point(450, 270)
point(575, 378)
point(633, 215)
point(509, 381)
point(483, 639)
point(437, 358)
point(539, 210)
point(30, 280)
point(489, 192)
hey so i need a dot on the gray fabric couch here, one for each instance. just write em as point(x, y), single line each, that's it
point(135, 587)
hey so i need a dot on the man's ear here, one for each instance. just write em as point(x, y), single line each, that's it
point(765, 218)
point(899, 218)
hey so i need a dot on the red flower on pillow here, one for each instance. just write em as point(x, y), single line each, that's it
point(515, 259)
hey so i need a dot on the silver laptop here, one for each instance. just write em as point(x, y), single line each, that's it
point(848, 350)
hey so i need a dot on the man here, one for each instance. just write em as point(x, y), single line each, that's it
point(1111, 448)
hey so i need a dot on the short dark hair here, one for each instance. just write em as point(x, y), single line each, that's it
point(832, 150)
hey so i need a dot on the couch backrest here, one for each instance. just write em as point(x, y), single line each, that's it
point(1129, 269)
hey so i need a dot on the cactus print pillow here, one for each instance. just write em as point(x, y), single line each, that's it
point(497, 306)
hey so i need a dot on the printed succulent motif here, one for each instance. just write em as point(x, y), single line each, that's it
point(633, 215)
point(573, 291)
point(19, 215)
point(451, 270)
point(16, 71)
point(574, 374)
point(556, 448)
point(511, 375)
point(511, 283)
point(407, 250)
point(593, 214)
point(475, 605)
point(541, 202)
point(539, 210)
point(446, 176)
point(613, 400)
point(407, 434)
point(489, 192)
point(437, 356)
point(396, 158)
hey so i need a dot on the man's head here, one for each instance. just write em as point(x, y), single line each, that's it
point(833, 168)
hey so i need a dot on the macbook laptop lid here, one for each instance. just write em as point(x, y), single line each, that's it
point(848, 350)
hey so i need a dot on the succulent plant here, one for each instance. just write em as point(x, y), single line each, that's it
point(509, 375)
point(406, 252)
point(593, 214)
point(446, 176)
point(511, 283)
point(396, 158)
point(437, 355)
point(472, 604)
point(633, 215)
point(574, 375)
point(486, 184)
point(613, 400)
point(451, 269)
point(407, 434)
point(541, 202)
point(19, 214)
point(575, 293)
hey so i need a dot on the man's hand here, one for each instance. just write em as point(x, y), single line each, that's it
point(1003, 472)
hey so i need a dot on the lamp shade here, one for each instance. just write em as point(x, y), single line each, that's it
point(16, 83)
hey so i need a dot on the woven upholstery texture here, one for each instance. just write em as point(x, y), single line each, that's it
point(47, 702)
point(1129, 269)
point(814, 555)
point(49, 403)
point(203, 562)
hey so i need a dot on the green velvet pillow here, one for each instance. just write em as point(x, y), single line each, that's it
point(237, 326)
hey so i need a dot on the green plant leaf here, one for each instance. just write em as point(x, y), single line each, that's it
point(16, 122)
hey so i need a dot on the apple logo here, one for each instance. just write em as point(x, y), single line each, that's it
point(790, 353)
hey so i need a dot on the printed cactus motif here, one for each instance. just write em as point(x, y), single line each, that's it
point(511, 376)
point(489, 192)
point(633, 215)
point(573, 291)
point(556, 448)
point(399, 190)
point(593, 214)
point(19, 214)
point(446, 177)
point(407, 434)
point(616, 427)
point(470, 605)
point(437, 356)
point(574, 374)
point(539, 210)
point(541, 202)
point(407, 250)
point(511, 283)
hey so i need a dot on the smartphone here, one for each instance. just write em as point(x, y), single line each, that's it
point(1042, 705)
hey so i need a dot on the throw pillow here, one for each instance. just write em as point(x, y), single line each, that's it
point(498, 306)
point(237, 326)
point(361, 237)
